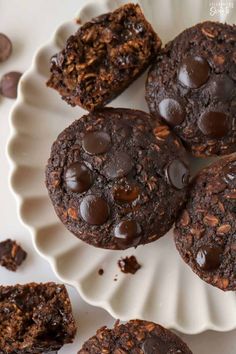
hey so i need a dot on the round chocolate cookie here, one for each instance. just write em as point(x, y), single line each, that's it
point(205, 233)
point(192, 85)
point(117, 178)
point(135, 337)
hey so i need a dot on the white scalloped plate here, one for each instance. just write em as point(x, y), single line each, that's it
point(164, 290)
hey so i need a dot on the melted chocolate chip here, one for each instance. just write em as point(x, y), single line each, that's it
point(125, 194)
point(9, 83)
point(154, 345)
point(172, 111)
point(194, 72)
point(96, 143)
point(214, 124)
point(78, 177)
point(177, 174)
point(5, 47)
point(94, 210)
point(127, 234)
point(120, 165)
point(129, 265)
point(209, 258)
point(222, 88)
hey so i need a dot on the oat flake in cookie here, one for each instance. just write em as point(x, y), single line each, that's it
point(205, 233)
point(192, 85)
point(135, 337)
point(104, 57)
point(117, 179)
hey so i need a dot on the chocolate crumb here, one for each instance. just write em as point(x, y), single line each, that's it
point(129, 265)
point(11, 255)
point(101, 271)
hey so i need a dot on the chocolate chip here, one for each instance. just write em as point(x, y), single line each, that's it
point(5, 47)
point(127, 234)
point(194, 72)
point(125, 194)
point(172, 111)
point(154, 345)
point(96, 143)
point(214, 124)
point(177, 174)
point(209, 258)
point(78, 177)
point(120, 165)
point(94, 210)
point(222, 88)
point(9, 84)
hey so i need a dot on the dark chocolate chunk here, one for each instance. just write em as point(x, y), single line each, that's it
point(205, 231)
point(11, 255)
point(96, 143)
point(125, 194)
point(105, 56)
point(78, 177)
point(94, 210)
point(215, 124)
point(127, 233)
point(209, 258)
point(154, 345)
point(222, 88)
point(177, 174)
point(194, 72)
point(120, 165)
point(5, 47)
point(9, 83)
point(172, 111)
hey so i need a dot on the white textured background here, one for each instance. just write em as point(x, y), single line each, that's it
point(29, 24)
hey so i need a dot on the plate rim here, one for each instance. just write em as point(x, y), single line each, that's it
point(209, 325)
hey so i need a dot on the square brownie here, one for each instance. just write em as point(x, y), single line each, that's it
point(104, 57)
point(35, 318)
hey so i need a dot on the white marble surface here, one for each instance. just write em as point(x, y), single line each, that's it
point(29, 24)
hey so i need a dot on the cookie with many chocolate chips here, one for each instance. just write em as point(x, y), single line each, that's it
point(205, 233)
point(135, 337)
point(117, 178)
point(192, 85)
point(103, 57)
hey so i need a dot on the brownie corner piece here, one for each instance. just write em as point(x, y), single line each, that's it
point(12, 255)
point(104, 57)
point(35, 318)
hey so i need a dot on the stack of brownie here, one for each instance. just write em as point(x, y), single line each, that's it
point(120, 178)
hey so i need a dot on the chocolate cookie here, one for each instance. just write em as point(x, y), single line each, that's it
point(192, 86)
point(104, 56)
point(135, 336)
point(205, 233)
point(117, 178)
